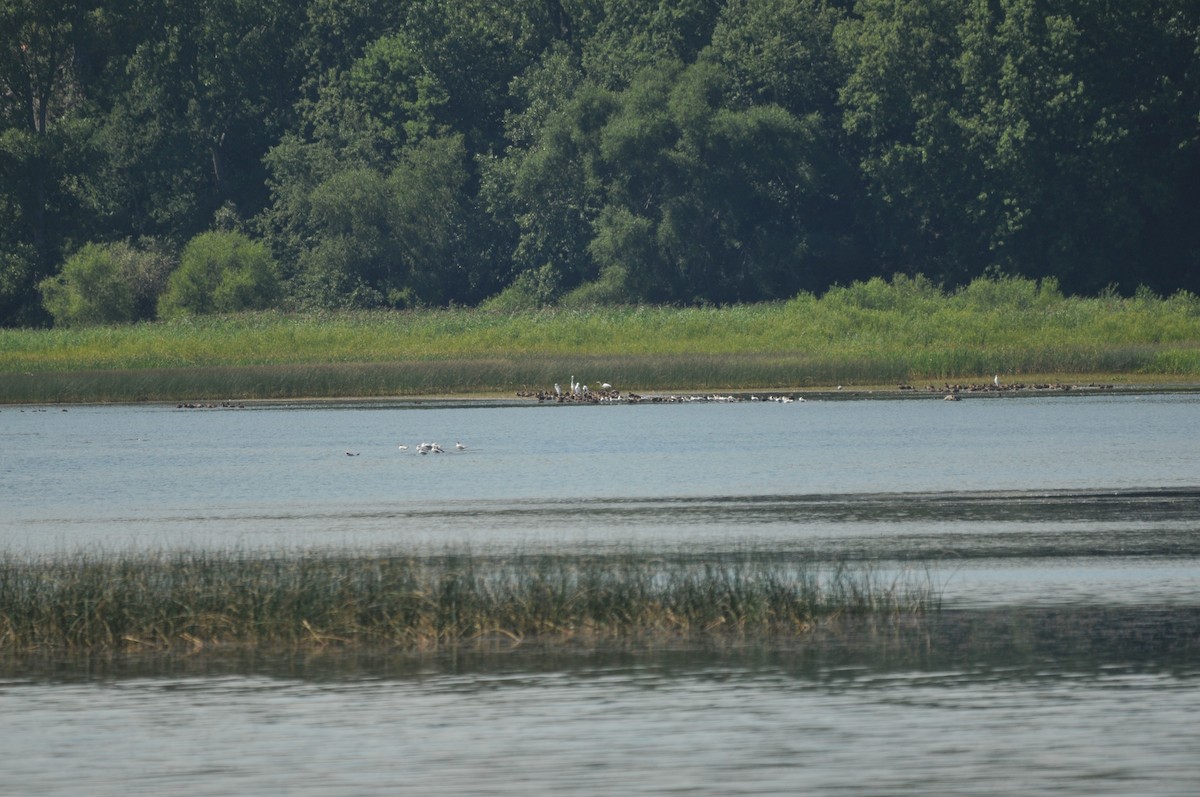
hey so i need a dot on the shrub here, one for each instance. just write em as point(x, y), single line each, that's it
point(107, 284)
point(221, 272)
point(610, 289)
point(528, 291)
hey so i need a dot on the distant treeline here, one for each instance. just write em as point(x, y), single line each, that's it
point(160, 158)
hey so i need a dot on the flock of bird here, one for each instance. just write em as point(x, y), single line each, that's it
point(422, 448)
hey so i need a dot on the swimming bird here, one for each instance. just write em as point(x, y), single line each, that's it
point(402, 447)
point(352, 453)
point(460, 446)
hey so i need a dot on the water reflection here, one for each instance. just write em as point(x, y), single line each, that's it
point(1006, 643)
point(1074, 703)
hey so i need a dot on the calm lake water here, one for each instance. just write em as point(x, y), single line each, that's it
point(1064, 533)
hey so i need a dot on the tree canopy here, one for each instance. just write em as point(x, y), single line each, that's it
point(341, 154)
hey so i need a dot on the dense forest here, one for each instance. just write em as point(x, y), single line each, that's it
point(160, 157)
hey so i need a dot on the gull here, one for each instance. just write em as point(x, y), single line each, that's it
point(460, 446)
point(402, 447)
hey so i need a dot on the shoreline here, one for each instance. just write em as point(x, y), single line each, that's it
point(961, 391)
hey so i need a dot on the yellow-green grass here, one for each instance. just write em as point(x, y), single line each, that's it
point(193, 600)
point(874, 333)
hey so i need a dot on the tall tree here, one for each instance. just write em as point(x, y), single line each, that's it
point(208, 93)
point(41, 140)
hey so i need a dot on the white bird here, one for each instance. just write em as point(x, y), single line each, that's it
point(402, 447)
point(606, 386)
point(996, 380)
point(460, 446)
point(557, 389)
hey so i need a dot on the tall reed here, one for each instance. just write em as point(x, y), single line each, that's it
point(874, 332)
point(197, 600)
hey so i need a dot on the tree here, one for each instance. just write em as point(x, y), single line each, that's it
point(628, 37)
point(781, 52)
point(41, 140)
point(220, 272)
point(1043, 137)
point(705, 202)
point(411, 237)
point(542, 187)
point(107, 284)
point(208, 91)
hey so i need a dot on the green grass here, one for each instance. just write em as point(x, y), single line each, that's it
point(872, 333)
point(193, 601)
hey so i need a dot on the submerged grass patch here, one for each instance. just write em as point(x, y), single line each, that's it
point(195, 600)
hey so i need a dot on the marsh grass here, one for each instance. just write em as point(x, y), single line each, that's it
point(876, 333)
point(195, 601)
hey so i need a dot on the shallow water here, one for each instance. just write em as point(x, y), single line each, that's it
point(1063, 532)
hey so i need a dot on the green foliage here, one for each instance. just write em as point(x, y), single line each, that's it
point(433, 152)
point(401, 239)
point(530, 290)
point(220, 272)
point(18, 271)
point(901, 294)
point(610, 289)
point(107, 284)
point(1004, 293)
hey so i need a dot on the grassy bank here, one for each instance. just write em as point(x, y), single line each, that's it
point(874, 333)
point(195, 601)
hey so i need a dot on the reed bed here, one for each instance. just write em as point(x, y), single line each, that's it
point(195, 601)
point(873, 333)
